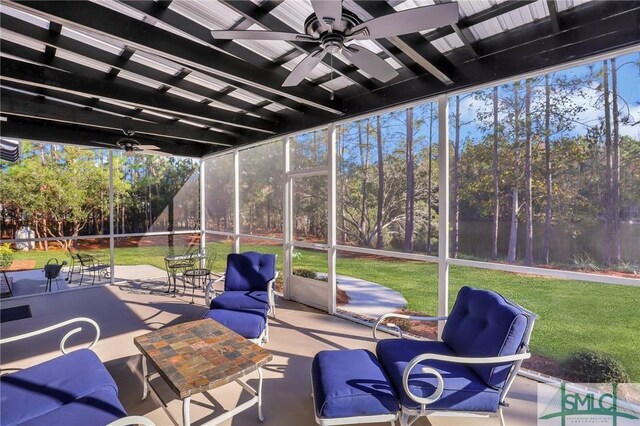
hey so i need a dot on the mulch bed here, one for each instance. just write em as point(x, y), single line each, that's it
point(21, 265)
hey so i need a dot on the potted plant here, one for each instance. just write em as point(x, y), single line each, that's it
point(6, 256)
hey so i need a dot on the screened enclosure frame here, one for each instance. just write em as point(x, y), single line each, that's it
point(443, 259)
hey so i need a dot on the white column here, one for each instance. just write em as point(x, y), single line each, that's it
point(286, 213)
point(203, 227)
point(331, 219)
point(112, 250)
point(443, 210)
point(236, 201)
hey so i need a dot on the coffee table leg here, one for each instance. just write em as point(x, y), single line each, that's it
point(260, 416)
point(185, 411)
point(145, 385)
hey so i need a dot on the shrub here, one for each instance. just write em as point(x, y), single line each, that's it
point(587, 366)
point(584, 262)
point(628, 268)
point(6, 256)
point(305, 273)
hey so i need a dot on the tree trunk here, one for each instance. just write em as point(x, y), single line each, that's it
point(528, 250)
point(379, 242)
point(343, 185)
point(496, 185)
point(364, 157)
point(429, 179)
point(608, 199)
point(45, 227)
point(547, 169)
point(456, 183)
point(513, 235)
point(615, 160)
point(408, 229)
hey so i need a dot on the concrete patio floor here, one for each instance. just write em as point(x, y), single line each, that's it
point(297, 334)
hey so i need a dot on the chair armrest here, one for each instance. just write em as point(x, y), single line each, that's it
point(402, 316)
point(56, 326)
point(449, 358)
point(132, 420)
point(209, 289)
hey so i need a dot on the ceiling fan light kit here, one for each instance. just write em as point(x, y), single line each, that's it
point(333, 27)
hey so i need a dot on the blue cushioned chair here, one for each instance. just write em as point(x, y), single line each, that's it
point(74, 388)
point(484, 342)
point(248, 296)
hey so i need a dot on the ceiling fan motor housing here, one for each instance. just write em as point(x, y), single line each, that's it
point(331, 36)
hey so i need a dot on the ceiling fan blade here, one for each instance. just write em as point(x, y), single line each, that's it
point(110, 145)
point(370, 63)
point(158, 153)
point(327, 11)
point(259, 35)
point(407, 21)
point(304, 68)
point(148, 147)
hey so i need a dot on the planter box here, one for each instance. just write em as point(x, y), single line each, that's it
point(309, 292)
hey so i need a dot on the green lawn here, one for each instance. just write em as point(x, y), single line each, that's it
point(573, 314)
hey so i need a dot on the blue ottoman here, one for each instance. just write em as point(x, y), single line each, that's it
point(250, 324)
point(350, 386)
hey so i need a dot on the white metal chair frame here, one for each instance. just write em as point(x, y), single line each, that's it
point(125, 421)
point(409, 415)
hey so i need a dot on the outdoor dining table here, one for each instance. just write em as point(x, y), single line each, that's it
point(180, 263)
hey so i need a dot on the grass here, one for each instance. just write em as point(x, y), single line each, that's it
point(573, 315)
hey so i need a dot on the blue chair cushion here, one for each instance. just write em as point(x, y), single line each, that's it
point(98, 408)
point(482, 323)
point(250, 271)
point(45, 387)
point(349, 383)
point(248, 323)
point(240, 300)
point(463, 389)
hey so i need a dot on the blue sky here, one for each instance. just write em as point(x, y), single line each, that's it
point(628, 87)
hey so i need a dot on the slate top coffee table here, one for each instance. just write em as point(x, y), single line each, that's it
point(201, 355)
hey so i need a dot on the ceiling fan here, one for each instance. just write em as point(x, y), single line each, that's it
point(132, 146)
point(332, 27)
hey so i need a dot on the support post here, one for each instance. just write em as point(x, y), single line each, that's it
point(286, 209)
point(331, 220)
point(112, 250)
point(443, 210)
point(203, 210)
point(236, 201)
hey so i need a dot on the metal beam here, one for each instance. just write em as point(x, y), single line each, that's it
point(490, 13)
point(203, 33)
point(465, 36)
point(122, 62)
point(553, 14)
point(13, 70)
point(174, 47)
point(414, 46)
point(17, 104)
point(56, 133)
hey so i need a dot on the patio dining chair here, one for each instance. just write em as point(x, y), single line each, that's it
point(93, 266)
